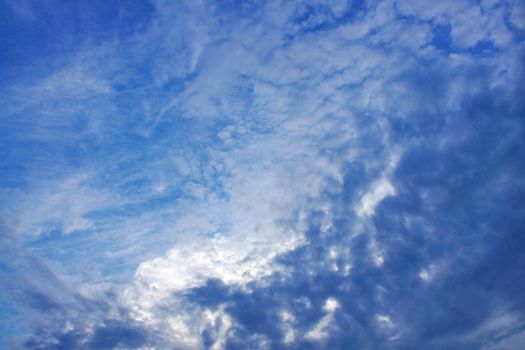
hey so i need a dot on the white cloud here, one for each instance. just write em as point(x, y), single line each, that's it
point(517, 14)
point(321, 330)
point(288, 324)
point(331, 305)
point(469, 23)
point(53, 205)
point(384, 321)
point(378, 191)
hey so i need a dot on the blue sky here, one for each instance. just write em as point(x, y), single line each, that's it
point(262, 174)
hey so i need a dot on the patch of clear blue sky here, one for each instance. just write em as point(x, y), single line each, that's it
point(38, 32)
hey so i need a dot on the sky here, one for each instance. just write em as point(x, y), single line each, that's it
point(249, 174)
